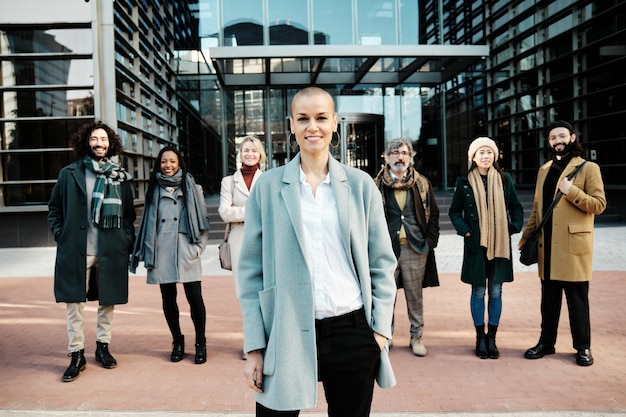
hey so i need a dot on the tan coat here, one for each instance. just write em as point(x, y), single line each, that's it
point(572, 221)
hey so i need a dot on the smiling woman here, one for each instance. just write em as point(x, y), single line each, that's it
point(317, 212)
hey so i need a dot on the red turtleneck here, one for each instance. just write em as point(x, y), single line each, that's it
point(248, 173)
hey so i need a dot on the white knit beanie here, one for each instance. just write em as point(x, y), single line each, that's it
point(479, 143)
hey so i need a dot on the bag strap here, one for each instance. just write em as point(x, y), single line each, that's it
point(227, 232)
point(558, 196)
point(232, 192)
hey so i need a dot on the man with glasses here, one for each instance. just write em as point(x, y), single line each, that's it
point(413, 221)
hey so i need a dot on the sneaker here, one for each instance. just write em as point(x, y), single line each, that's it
point(417, 347)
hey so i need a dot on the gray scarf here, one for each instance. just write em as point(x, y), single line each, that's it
point(193, 224)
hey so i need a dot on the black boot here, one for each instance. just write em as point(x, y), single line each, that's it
point(200, 352)
point(178, 349)
point(77, 364)
point(104, 357)
point(481, 345)
point(491, 341)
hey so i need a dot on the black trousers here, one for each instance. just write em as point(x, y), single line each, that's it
point(577, 296)
point(193, 292)
point(348, 361)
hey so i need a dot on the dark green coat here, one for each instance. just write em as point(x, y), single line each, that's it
point(69, 223)
point(464, 216)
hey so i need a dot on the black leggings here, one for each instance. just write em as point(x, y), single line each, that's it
point(193, 291)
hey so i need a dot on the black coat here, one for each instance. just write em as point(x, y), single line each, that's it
point(69, 219)
point(430, 229)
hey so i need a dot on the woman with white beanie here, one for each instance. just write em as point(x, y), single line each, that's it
point(485, 210)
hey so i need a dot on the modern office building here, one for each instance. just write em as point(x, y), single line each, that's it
point(202, 74)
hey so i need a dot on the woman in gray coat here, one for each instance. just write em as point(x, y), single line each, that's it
point(485, 210)
point(173, 233)
point(316, 277)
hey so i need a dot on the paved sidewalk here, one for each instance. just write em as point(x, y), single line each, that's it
point(450, 381)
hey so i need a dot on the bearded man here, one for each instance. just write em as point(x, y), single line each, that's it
point(413, 222)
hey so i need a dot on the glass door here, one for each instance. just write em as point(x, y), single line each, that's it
point(361, 141)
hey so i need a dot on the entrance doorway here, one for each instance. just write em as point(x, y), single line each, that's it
point(361, 141)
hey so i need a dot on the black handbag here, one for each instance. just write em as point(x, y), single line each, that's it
point(529, 252)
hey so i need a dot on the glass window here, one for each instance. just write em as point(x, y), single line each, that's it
point(28, 41)
point(208, 22)
point(288, 22)
point(409, 23)
point(45, 11)
point(560, 26)
point(47, 103)
point(332, 22)
point(243, 22)
point(376, 22)
point(73, 72)
point(38, 134)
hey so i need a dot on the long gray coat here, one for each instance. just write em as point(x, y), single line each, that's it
point(68, 220)
point(276, 291)
point(177, 259)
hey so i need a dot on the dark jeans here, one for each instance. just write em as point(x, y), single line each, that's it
point(348, 361)
point(577, 296)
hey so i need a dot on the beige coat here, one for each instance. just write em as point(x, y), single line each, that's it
point(232, 209)
point(572, 221)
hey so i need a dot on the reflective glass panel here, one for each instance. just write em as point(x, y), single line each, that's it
point(48, 103)
point(208, 22)
point(409, 23)
point(45, 11)
point(38, 134)
point(288, 22)
point(26, 194)
point(243, 22)
point(376, 22)
point(333, 22)
point(72, 72)
point(28, 41)
point(34, 166)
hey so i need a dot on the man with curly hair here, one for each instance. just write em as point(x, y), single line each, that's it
point(91, 217)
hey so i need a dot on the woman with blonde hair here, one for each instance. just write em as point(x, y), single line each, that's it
point(234, 193)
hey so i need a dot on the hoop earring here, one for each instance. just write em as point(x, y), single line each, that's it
point(293, 145)
point(335, 136)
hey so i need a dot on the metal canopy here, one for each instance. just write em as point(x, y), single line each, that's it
point(344, 65)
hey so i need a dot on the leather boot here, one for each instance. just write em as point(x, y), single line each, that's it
point(481, 345)
point(492, 349)
point(178, 349)
point(77, 364)
point(200, 353)
point(104, 357)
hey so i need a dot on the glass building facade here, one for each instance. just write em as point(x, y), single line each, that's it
point(202, 74)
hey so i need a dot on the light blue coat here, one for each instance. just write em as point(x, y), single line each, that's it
point(276, 291)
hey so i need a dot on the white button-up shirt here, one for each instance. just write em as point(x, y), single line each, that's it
point(335, 285)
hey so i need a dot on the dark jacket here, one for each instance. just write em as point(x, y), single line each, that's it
point(429, 230)
point(464, 216)
point(69, 219)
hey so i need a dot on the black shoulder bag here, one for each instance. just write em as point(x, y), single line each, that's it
point(528, 254)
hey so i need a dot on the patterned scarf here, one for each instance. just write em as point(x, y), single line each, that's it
point(106, 200)
point(492, 215)
point(411, 179)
